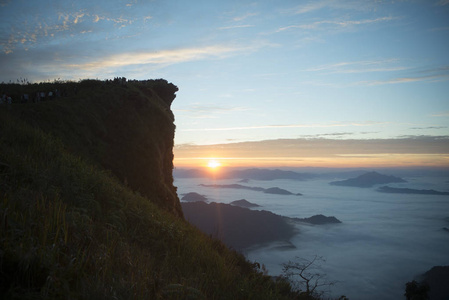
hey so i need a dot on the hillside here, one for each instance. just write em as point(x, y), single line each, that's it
point(126, 128)
point(88, 209)
point(238, 227)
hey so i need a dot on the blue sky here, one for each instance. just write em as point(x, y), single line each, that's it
point(252, 70)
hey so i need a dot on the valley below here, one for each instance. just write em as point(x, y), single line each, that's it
point(383, 241)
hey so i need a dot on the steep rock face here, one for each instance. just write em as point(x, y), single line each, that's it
point(126, 127)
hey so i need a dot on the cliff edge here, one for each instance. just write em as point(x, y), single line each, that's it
point(88, 209)
point(124, 126)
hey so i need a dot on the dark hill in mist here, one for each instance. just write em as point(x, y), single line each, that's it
point(193, 197)
point(319, 220)
point(245, 174)
point(436, 279)
point(237, 227)
point(241, 227)
point(392, 190)
point(267, 174)
point(244, 203)
point(88, 209)
point(368, 180)
point(272, 190)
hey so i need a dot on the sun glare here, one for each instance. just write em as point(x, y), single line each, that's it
point(213, 164)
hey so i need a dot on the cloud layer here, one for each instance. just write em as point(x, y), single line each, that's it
point(406, 151)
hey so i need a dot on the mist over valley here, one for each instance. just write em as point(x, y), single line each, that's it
point(383, 241)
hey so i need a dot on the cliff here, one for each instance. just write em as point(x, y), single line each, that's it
point(124, 127)
point(88, 209)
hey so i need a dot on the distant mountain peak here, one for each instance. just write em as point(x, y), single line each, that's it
point(368, 179)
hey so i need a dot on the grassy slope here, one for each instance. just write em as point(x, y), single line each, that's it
point(70, 229)
point(127, 129)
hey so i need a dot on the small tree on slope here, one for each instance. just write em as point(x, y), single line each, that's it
point(305, 275)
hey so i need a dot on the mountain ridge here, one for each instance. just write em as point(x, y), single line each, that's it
point(85, 214)
point(110, 124)
point(367, 180)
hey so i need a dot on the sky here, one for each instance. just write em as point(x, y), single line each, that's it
point(261, 83)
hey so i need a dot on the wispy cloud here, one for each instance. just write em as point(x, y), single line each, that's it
point(442, 2)
point(235, 27)
point(341, 124)
point(441, 114)
point(438, 74)
point(343, 5)
point(305, 8)
point(440, 29)
point(4, 2)
point(338, 23)
point(164, 57)
point(34, 25)
point(412, 150)
point(359, 67)
point(430, 78)
point(244, 17)
point(429, 127)
point(208, 111)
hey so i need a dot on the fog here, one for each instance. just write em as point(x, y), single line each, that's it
point(384, 241)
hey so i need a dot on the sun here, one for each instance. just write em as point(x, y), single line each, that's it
point(213, 164)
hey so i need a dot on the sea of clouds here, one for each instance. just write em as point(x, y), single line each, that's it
point(385, 240)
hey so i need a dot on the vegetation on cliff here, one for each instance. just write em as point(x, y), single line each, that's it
point(87, 205)
point(124, 127)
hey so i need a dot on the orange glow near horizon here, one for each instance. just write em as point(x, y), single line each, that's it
point(317, 153)
point(213, 164)
point(353, 161)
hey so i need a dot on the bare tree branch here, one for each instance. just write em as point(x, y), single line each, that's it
point(305, 275)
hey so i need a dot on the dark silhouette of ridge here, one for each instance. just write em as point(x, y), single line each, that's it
point(237, 227)
point(393, 190)
point(240, 227)
point(319, 220)
point(368, 180)
point(194, 197)
point(125, 126)
point(272, 190)
point(244, 203)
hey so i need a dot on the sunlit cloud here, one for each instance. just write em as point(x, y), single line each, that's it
point(342, 124)
point(31, 27)
point(413, 150)
point(165, 57)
